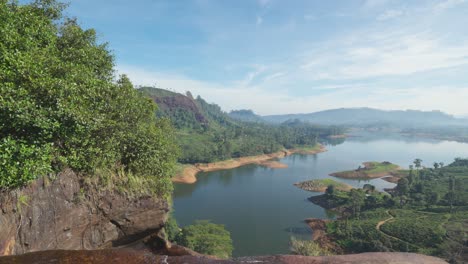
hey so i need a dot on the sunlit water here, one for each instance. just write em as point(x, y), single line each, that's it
point(261, 207)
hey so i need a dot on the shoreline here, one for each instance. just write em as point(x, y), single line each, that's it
point(189, 173)
point(364, 173)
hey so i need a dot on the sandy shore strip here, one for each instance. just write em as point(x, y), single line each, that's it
point(189, 172)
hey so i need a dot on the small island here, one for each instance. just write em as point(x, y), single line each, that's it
point(371, 170)
point(321, 185)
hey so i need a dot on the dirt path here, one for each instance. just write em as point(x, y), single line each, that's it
point(383, 222)
point(379, 224)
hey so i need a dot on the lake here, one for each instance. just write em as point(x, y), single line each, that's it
point(261, 207)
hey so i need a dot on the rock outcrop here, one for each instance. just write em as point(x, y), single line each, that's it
point(125, 256)
point(61, 214)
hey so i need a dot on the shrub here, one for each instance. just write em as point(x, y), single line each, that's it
point(207, 238)
point(21, 162)
point(307, 248)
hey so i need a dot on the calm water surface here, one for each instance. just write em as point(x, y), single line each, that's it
point(261, 207)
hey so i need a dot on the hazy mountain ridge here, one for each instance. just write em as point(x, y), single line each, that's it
point(246, 115)
point(376, 117)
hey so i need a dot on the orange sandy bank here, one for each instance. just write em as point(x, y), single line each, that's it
point(189, 172)
point(338, 136)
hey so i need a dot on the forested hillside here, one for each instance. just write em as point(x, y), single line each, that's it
point(61, 107)
point(206, 133)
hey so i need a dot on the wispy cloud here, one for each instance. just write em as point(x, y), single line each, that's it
point(378, 55)
point(252, 75)
point(446, 4)
point(369, 4)
point(265, 101)
point(390, 14)
point(287, 65)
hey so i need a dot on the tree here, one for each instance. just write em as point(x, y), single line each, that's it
point(432, 198)
point(207, 238)
point(61, 108)
point(369, 188)
point(450, 196)
point(330, 190)
point(436, 165)
point(357, 199)
point(417, 163)
point(402, 186)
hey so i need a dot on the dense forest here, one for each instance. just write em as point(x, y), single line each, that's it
point(61, 106)
point(206, 133)
point(426, 213)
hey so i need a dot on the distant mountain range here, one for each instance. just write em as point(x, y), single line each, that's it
point(188, 111)
point(361, 117)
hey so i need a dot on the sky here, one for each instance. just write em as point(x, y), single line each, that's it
point(278, 57)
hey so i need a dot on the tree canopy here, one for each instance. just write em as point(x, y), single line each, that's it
point(60, 105)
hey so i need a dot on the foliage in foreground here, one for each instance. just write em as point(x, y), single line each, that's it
point(203, 237)
point(307, 248)
point(60, 106)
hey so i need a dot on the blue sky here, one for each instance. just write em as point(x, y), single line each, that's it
point(296, 56)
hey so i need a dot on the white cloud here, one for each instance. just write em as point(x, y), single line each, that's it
point(349, 70)
point(252, 75)
point(390, 14)
point(273, 76)
point(380, 55)
point(266, 101)
point(446, 4)
point(369, 4)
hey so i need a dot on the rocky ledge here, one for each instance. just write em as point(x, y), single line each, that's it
point(61, 214)
point(125, 256)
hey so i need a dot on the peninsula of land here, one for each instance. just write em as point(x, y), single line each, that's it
point(370, 170)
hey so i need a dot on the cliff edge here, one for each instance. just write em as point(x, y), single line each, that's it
point(61, 214)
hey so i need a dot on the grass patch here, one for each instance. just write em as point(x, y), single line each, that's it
point(321, 185)
point(371, 169)
point(307, 248)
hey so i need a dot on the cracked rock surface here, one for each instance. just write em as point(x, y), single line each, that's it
point(59, 214)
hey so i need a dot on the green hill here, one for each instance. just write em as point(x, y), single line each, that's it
point(206, 133)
